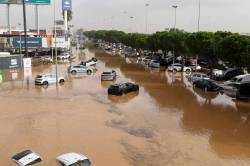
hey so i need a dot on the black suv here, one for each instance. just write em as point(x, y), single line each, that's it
point(122, 88)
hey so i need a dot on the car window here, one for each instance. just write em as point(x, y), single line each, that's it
point(239, 80)
point(234, 79)
point(60, 163)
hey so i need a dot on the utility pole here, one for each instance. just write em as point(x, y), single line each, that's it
point(25, 28)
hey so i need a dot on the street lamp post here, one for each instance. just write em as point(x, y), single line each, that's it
point(25, 28)
point(20, 39)
point(146, 18)
point(175, 8)
point(131, 23)
point(55, 35)
point(199, 15)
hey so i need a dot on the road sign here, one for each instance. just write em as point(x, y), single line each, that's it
point(67, 5)
point(32, 42)
point(44, 2)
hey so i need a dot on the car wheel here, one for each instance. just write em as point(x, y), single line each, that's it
point(61, 81)
point(175, 71)
point(45, 83)
point(89, 72)
point(188, 71)
point(73, 72)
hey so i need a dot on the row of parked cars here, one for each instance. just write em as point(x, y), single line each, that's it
point(83, 67)
point(27, 158)
point(238, 87)
point(231, 81)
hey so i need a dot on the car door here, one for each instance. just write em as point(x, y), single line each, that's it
point(52, 79)
point(83, 69)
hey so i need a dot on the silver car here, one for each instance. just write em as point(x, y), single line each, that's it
point(108, 76)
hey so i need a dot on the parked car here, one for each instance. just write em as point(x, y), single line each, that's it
point(64, 56)
point(238, 79)
point(198, 76)
point(243, 91)
point(122, 88)
point(74, 69)
point(26, 158)
point(108, 76)
point(46, 79)
point(91, 62)
point(73, 159)
point(196, 67)
point(228, 74)
point(206, 85)
point(177, 68)
point(154, 64)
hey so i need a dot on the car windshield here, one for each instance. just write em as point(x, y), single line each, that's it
point(235, 79)
point(106, 73)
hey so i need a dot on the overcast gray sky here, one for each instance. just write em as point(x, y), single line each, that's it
point(230, 15)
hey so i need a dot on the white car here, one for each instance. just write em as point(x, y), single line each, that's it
point(46, 79)
point(63, 56)
point(73, 159)
point(91, 62)
point(198, 76)
point(26, 158)
point(176, 67)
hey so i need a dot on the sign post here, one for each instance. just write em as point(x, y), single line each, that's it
point(1, 76)
point(66, 6)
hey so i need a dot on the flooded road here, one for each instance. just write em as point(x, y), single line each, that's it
point(166, 123)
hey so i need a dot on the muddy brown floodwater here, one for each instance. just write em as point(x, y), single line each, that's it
point(166, 123)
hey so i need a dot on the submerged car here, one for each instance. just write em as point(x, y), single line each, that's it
point(73, 159)
point(91, 62)
point(177, 67)
point(46, 79)
point(64, 55)
point(80, 69)
point(206, 85)
point(26, 158)
point(154, 64)
point(198, 76)
point(122, 88)
point(221, 75)
point(108, 76)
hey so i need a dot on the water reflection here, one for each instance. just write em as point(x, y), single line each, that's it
point(123, 99)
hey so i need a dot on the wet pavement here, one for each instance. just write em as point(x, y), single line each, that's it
point(166, 123)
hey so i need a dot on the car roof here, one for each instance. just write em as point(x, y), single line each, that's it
point(26, 157)
point(71, 158)
point(242, 76)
